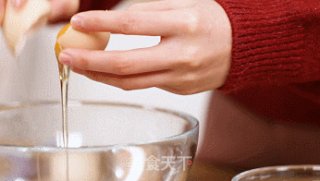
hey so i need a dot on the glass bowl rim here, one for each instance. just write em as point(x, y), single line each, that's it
point(280, 168)
point(7, 106)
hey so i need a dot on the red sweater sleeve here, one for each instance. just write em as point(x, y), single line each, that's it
point(86, 5)
point(275, 42)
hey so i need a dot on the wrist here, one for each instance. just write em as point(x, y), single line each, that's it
point(224, 41)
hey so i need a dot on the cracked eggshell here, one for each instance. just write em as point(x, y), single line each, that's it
point(17, 24)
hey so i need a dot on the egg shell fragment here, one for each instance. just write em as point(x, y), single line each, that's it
point(18, 24)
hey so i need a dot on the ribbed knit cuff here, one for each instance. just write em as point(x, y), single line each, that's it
point(271, 42)
point(86, 5)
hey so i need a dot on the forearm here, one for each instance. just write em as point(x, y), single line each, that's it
point(275, 42)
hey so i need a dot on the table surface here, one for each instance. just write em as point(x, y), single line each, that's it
point(206, 172)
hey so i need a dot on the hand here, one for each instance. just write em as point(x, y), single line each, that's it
point(61, 9)
point(194, 54)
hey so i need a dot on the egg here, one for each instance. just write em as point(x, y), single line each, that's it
point(17, 24)
point(71, 38)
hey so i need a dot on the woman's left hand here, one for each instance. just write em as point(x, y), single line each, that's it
point(194, 54)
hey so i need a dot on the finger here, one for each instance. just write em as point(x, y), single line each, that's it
point(119, 62)
point(2, 10)
point(155, 23)
point(179, 90)
point(141, 81)
point(152, 6)
point(160, 5)
point(18, 4)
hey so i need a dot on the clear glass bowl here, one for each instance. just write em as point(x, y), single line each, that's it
point(281, 173)
point(107, 141)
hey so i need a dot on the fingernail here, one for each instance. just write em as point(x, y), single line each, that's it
point(17, 3)
point(65, 58)
point(76, 21)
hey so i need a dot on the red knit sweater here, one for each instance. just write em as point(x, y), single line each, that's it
point(276, 57)
point(97, 4)
point(275, 68)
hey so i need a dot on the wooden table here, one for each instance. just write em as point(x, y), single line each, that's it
point(205, 172)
